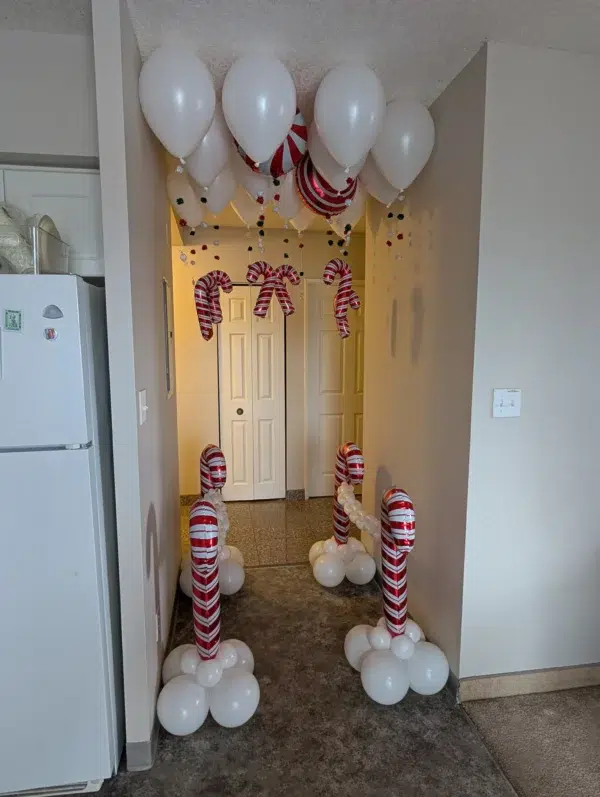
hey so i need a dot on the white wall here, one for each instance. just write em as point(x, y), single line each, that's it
point(48, 95)
point(137, 256)
point(419, 328)
point(197, 381)
point(532, 580)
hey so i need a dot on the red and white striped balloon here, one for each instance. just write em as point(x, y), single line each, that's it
point(318, 195)
point(286, 272)
point(206, 598)
point(213, 469)
point(345, 296)
point(350, 468)
point(287, 155)
point(397, 540)
point(206, 296)
point(273, 283)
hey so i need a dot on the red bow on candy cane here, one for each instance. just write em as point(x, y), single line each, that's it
point(345, 296)
point(206, 295)
point(273, 283)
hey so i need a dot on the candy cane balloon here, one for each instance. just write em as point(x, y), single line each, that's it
point(204, 542)
point(349, 467)
point(286, 272)
point(345, 296)
point(397, 540)
point(206, 295)
point(262, 269)
point(213, 469)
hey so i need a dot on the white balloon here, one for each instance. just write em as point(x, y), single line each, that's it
point(236, 554)
point(182, 706)
point(413, 631)
point(316, 549)
point(329, 570)
point(190, 660)
point(361, 569)
point(376, 184)
point(172, 663)
point(255, 183)
point(351, 215)
point(235, 698)
point(185, 579)
point(356, 644)
point(380, 638)
point(428, 669)
point(355, 545)
point(231, 577)
point(303, 219)
point(336, 175)
point(402, 646)
point(227, 655)
point(224, 553)
point(177, 98)
point(381, 623)
point(184, 199)
point(245, 659)
point(209, 672)
point(221, 191)
point(259, 103)
point(289, 203)
point(246, 208)
point(349, 111)
point(212, 153)
point(405, 143)
point(330, 546)
point(384, 677)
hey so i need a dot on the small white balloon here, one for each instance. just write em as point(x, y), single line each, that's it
point(303, 219)
point(245, 659)
point(224, 553)
point(403, 647)
point(329, 570)
point(330, 546)
point(209, 672)
point(221, 191)
point(189, 662)
point(356, 645)
point(185, 579)
point(231, 577)
point(361, 569)
point(316, 549)
point(428, 669)
point(351, 215)
point(413, 631)
point(381, 622)
point(255, 183)
point(227, 655)
point(355, 545)
point(172, 663)
point(212, 153)
point(345, 553)
point(245, 207)
point(380, 638)
point(384, 677)
point(289, 203)
point(405, 142)
point(182, 706)
point(235, 698)
point(236, 555)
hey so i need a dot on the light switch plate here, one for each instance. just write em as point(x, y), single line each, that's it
point(506, 403)
point(142, 407)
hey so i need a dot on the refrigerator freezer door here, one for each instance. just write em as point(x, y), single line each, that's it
point(42, 373)
point(56, 703)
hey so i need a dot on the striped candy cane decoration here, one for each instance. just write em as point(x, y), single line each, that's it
point(256, 270)
point(286, 272)
point(204, 542)
point(397, 540)
point(206, 296)
point(345, 296)
point(349, 467)
point(213, 469)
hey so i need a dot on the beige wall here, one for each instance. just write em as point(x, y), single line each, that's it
point(48, 95)
point(419, 328)
point(197, 382)
point(532, 579)
point(137, 256)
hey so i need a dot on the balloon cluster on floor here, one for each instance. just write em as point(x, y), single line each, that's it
point(342, 556)
point(255, 147)
point(394, 656)
point(210, 675)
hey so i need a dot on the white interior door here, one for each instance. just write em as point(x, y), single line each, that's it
point(252, 397)
point(334, 385)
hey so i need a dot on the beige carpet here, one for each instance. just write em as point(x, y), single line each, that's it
point(548, 745)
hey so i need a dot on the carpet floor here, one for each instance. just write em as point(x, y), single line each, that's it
point(316, 733)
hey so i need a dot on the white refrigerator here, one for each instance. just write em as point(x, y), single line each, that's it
point(61, 715)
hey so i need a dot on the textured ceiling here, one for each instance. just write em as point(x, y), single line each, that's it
point(47, 16)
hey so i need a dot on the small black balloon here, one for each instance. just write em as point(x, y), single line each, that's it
point(179, 200)
point(216, 227)
point(345, 253)
point(285, 254)
point(401, 216)
point(340, 242)
point(276, 182)
point(203, 200)
point(249, 248)
point(390, 215)
point(192, 232)
point(330, 243)
point(261, 232)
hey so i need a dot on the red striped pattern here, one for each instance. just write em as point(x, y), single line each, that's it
point(397, 540)
point(206, 296)
point(213, 469)
point(204, 542)
point(345, 296)
point(350, 468)
point(286, 272)
point(316, 192)
point(262, 269)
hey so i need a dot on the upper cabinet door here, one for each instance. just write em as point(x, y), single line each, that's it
point(72, 200)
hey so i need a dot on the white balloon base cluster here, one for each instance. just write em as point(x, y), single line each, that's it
point(231, 572)
point(225, 687)
point(390, 666)
point(331, 563)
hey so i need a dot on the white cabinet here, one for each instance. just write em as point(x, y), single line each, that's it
point(71, 197)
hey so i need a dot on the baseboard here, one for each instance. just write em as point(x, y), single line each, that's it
point(526, 683)
point(141, 755)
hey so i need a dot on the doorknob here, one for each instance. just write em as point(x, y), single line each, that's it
point(240, 411)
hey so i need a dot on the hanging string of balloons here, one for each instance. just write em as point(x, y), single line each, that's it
point(255, 148)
